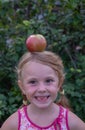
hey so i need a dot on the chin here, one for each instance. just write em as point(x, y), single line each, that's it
point(43, 106)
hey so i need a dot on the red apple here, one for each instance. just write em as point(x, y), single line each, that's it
point(36, 43)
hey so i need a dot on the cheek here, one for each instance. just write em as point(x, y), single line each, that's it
point(54, 93)
point(56, 86)
point(54, 89)
point(29, 93)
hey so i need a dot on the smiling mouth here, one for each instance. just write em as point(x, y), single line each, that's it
point(42, 98)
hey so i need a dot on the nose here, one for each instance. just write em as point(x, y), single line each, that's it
point(42, 87)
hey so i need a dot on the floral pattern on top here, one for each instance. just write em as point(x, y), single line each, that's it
point(60, 123)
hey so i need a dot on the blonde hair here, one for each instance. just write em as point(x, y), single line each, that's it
point(46, 58)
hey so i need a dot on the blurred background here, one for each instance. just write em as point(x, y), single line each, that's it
point(62, 22)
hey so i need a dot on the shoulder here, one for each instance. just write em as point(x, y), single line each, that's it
point(75, 122)
point(11, 123)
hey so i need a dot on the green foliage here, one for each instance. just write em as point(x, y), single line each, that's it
point(62, 23)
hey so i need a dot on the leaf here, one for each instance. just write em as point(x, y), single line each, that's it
point(26, 23)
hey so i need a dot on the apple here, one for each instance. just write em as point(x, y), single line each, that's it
point(36, 43)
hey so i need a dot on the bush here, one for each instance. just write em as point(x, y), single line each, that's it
point(62, 23)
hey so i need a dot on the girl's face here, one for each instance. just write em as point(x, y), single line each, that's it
point(39, 83)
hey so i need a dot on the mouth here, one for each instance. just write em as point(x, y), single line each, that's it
point(42, 98)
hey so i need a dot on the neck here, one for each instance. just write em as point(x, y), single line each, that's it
point(48, 114)
point(47, 110)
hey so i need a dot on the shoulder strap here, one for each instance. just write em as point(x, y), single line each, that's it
point(22, 118)
point(19, 119)
point(63, 118)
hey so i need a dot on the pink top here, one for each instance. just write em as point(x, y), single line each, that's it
point(60, 122)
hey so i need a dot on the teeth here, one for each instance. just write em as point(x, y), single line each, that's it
point(42, 98)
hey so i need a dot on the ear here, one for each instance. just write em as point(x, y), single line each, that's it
point(20, 84)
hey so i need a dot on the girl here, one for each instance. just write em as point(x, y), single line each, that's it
point(40, 78)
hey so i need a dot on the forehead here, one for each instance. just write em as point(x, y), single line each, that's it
point(32, 68)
